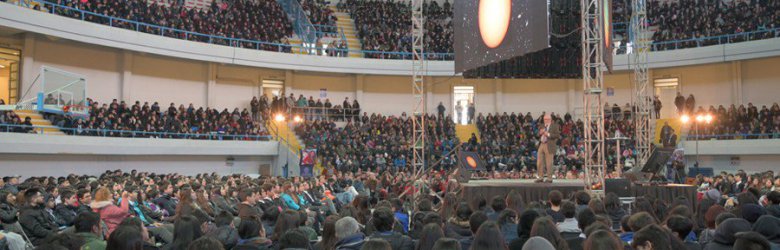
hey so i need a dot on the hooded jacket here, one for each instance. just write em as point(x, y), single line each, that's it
point(111, 214)
point(724, 235)
point(457, 229)
point(352, 242)
point(769, 227)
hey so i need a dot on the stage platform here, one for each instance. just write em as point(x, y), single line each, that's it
point(531, 191)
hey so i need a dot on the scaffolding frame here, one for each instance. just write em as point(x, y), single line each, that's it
point(593, 84)
point(418, 86)
point(643, 102)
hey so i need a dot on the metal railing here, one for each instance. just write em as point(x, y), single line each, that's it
point(323, 113)
point(736, 136)
point(54, 8)
point(220, 136)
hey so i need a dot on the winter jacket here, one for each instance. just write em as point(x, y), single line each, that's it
point(256, 242)
point(37, 224)
point(352, 242)
point(166, 203)
point(226, 235)
point(92, 242)
point(457, 229)
point(66, 213)
point(8, 213)
point(111, 214)
point(769, 227)
point(396, 240)
point(223, 205)
point(724, 234)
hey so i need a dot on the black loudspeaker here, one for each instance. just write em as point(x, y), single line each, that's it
point(621, 187)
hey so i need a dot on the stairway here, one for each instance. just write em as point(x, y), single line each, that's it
point(676, 124)
point(464, 132)
point(295, 41)
point(38, 120)
point(346, 24)
point(286, 133)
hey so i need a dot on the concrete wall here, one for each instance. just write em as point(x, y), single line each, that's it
point(731, 155)
point(37, 155)
point(131, 76)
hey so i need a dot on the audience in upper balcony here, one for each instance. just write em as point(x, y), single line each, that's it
point(695, 19)
point(319, 14)
point(118, 119)
point(384, 26)
point(739, 122)
point(255, 20)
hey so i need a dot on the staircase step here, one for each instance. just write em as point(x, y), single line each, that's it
point(464, 132)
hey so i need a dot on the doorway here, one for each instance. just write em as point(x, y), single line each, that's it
point(272, 88)
point(9, 75)
point(463, 100)
point(666, 89)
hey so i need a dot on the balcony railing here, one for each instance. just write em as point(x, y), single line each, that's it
point(220, 136)
point(54, 8)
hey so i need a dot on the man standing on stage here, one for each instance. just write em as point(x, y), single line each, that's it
point(548, 139)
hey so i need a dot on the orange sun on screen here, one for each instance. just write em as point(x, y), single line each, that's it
point(494, 18)
point(472, 163)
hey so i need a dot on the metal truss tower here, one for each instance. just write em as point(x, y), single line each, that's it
point(593, 85)
point(642, 98)
point(418, 86)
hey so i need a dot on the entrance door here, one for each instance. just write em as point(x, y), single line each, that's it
point(463, 98)
point(271, 88)
point(9, 75)
point(666, 89)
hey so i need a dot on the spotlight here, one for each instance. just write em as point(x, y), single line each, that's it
point(297, 118)
point(708, 118)
point(699, 118)
point(279, 117)
point(685, 118)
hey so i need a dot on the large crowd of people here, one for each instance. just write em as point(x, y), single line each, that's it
point(11, 122)
point(120, 119)
point(397, 210)
point(739, 122)
point(257, 20)
point(376, 142)
point(509, 142)
point(384, 26)
point(696, 19)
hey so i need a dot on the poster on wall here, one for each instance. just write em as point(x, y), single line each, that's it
point(323, 93)
point(308, 159)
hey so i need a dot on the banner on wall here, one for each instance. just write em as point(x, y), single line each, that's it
point(323, 93)
point(308, 159)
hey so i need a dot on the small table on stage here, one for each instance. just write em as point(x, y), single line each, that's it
point(618, 137)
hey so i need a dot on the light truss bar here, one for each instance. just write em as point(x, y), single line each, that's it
point(641, 84)
point(593, 84)
point(418, 86)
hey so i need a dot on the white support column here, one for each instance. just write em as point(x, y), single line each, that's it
point(126, 72)
point(289, 78)
point(359, 83)
point(28, 70)
point(736, 83)
point(499, 95)
point(570, 96)
point(211, 84)
point(429, 102)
